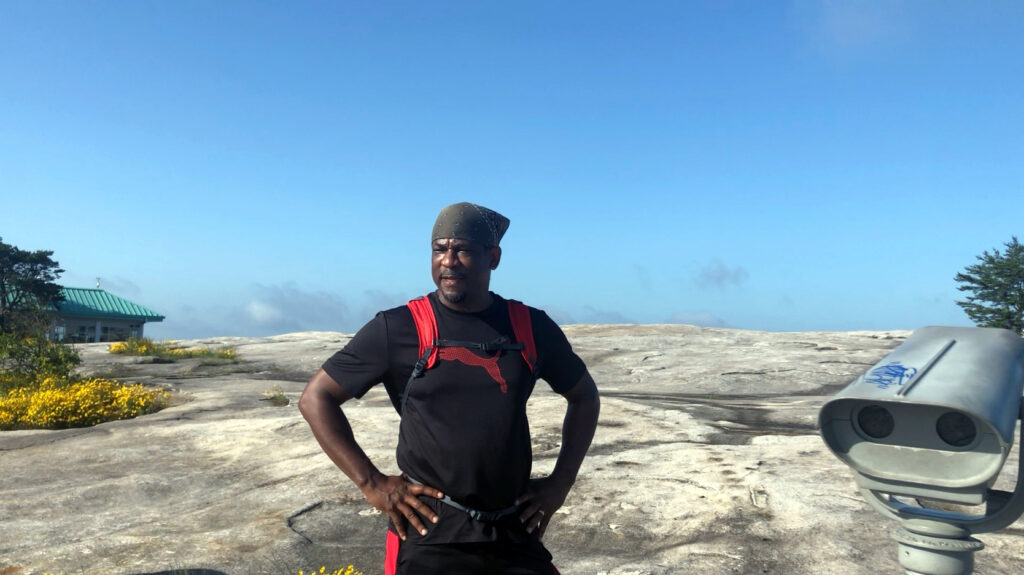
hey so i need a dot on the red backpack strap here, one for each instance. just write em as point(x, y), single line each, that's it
point(426, 328)
point(523, 330)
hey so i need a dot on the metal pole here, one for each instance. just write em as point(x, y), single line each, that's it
point(934, 548)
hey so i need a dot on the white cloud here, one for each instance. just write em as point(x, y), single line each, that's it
point(265, 310)
point(288, 308)
point(560, 316)
point(594, 315)
point(262, 312)
point(376, 300)
point(589, 315)
point(717, 275)
point(116, 285)
point(852, 27)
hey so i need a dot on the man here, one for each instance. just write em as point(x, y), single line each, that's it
point(465, 502)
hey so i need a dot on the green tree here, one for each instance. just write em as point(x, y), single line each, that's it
point(28, 295)
point(996, 285)
point(28, 288)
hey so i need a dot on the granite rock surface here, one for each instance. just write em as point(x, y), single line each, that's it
point(706, 460)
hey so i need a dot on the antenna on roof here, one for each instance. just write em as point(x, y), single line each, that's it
point(97, 283)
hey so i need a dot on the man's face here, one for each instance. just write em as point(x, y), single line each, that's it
point(462, 272)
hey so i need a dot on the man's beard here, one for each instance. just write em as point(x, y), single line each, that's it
point(455, 298)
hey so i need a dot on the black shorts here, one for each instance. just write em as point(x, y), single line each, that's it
point(488, 558)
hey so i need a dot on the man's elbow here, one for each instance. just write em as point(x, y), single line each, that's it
point(592, 401)
point(321, 395)
point(306, 402)
point(313, 396)
point(585, 394)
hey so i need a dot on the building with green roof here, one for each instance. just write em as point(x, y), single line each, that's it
point(93, 314)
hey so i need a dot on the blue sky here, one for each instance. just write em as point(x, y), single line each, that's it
point(253, 168)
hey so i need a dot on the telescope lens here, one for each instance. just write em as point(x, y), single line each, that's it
point(875, 421)
point(956, 429)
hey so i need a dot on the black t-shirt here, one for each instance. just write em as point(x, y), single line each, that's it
point(464, 428)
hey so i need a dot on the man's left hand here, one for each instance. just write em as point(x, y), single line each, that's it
point(543, 497)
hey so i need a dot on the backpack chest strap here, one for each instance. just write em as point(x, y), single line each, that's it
point(429, 344)
point(499, 344)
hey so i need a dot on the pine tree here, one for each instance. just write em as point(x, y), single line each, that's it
point(28, 288)
point(996, 285)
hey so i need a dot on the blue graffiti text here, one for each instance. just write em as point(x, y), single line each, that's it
point(891, 374)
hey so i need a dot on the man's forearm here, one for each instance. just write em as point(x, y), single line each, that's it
point(577, 431)
point(334, 434)
point(320, 404)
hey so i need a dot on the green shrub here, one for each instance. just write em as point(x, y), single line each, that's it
point(26, 359)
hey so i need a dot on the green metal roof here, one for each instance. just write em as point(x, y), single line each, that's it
point(94, 302)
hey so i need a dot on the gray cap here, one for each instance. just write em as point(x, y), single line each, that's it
point(470, 222)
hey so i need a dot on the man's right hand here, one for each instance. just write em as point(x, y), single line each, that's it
point(399, 499)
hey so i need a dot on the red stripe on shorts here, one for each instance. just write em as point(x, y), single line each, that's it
point(391, 553)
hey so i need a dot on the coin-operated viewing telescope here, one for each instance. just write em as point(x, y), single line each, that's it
point(934, 422)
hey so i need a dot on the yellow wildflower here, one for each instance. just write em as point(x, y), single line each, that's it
point(57, 403)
